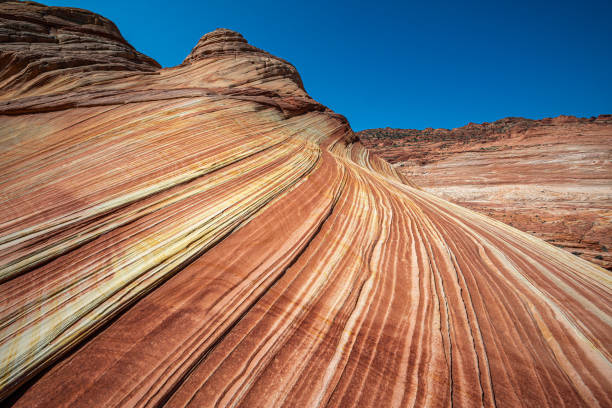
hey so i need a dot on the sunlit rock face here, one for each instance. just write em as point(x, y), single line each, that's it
point(42, 48)
point(209, 235)
point(550, 177)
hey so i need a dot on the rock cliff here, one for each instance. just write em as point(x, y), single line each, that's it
point(549, 177)
point(209, 235)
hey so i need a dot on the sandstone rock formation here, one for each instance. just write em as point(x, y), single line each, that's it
point(550, 177)
point(209, 235)
point(46, 49)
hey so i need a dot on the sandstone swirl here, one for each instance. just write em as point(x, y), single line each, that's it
point(550, 177)
point(209, 235)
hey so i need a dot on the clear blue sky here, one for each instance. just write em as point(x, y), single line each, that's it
point(410, 64)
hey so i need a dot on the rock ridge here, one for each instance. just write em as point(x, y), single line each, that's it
point(472, 131)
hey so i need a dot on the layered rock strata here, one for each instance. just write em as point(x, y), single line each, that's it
point(45, 49)
point(209, 235)
point(551, 177)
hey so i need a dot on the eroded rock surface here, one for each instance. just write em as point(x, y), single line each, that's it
point(43, 47)
point(209, 235)
point(550, 177)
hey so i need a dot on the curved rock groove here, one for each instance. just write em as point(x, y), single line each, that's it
point(248, 251)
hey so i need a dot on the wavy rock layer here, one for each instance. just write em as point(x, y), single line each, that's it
point(211, 236)
point(550, 177)
point(41, 47)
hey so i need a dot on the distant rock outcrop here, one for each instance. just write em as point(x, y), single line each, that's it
point(208, 235)
point(549, 177)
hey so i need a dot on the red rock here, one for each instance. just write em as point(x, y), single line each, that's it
point(209, 235)
point(549, 177)
point(40, 47)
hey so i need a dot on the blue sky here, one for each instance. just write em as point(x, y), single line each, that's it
point(405, 64)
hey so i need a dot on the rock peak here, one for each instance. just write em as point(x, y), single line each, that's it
point(222, 36)
point(222, 41)
point(224, 31)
